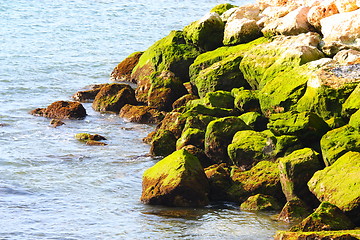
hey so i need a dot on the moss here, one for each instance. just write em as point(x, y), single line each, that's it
point(163, 143)
point(345, 234)
point(199, 121)
point(294, 210)
point(221, 99)
point(352, 103)
point(221, 8)
point(355, 120)
point(335, 122)
point(246, 100)
point(260, 202)
point(219, 181)
point(191, 136)
point(337, 142)
point(339, 184)
point(254, 120)
point(195, 108)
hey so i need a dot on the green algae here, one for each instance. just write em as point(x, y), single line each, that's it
point(221, 8)
point(355, 120)
point(191, 136)
point(352, 103)
point(260, 202)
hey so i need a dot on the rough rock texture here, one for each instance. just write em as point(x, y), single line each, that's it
point(352, 103)
point(321, 235)
point(222, 8)
point(163, 143)
point(347, 57)
point(182, 101)
point(191, 136)
point(246, 100)
point(219, 181)
point(339, 185)
point(296, 169)
point(241, 31)
point(355, 120)
point(324, 9)
point(339, 141)
point(122, 72)
point(88, 95)
point(219, 134)
point(177, 180)
point(206, 33)
point(61, 110)
point(141, 114)
point(327, 217)
point(260, 202)
point(346, 5)
point(255, 120)
point(112, 97)
point(294, 210)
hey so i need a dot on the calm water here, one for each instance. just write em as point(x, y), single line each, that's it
point(53, 187)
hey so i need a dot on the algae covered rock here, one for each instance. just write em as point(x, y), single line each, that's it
point(141, 114)
point(163, 143)
point(355, 120)
point(339, 185)
point(246, 100)
point(122, 72)
point(206, 33)
point(352, 103)
point(61, 110)
point(339, 141)
point(191, 136)
point(327, 217)
point(219, 134)
point(241, 31)
point(221, 8)
point(255, 120)
point(294, 210)
point(91, 139)
point(296, 169)
point(177, 180)
point(220, 99)
point(219, 181)
point(260, 202)
point(320, 235)
point(112, 97)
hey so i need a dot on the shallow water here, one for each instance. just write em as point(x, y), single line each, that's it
point(52, 186)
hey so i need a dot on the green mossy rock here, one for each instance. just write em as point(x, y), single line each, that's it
point(339, 185)
point(141, 114)
point(260, 202)
point(182, 101)
point(321, 235)
point(307, 126)
point(335, 122)
point(221, 8)
point(122, 72)
point(355, 120)
point(263, 63)
point(246, 100)
point(219, 181)
point(163, 143)
point(200, 154)
point(296, 169)
point(255, 120)
point(262, 178)
point(199, 122)
point(294, 210)
point(87, 137)
point(218, 136)
point(177, 180)
point(352, 103)
point(327, 217)
point(195, 107)
point(112, 97)
point(339, 141)
point(191, 136)
point(206, 33)
point(220, 99)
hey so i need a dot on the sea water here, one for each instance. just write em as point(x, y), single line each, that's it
point(51, 185)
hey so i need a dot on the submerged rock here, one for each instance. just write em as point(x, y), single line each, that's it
point(62, 110)
point(55, 123)
point(177, 180)
point(91, 139)
point(260, 202)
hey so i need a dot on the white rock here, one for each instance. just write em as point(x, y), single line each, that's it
point(346, 5)
point(226, 15)
point(241, 31)
point(319, 11)
point(346, 57)
point(249, 11)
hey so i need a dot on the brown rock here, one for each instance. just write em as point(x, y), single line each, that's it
point(56, 122)
point(61, 110)
point(122, 72)
point(180, 102)
point(141, 114)
point(323, 10)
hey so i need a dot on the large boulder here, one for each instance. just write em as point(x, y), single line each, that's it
point(218, 136)
point(255, 120)
point(171, 53)
point(241, 31)
point(191, 136)
point(339, 141)
point(163, 143)
point(266, 61)
point(296, 169)
point(141, 114)
point(112, 97)
point(341, 31)
point(327, 217)
point(177, 180)
point(339, 185)
point(319, 11)
point(61, 110)
point(122, 72)
point(206, 33)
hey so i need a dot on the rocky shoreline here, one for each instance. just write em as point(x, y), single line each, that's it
point(257, 104)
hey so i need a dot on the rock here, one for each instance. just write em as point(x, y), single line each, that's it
point(352, 103)
point(321, 235)
point(55, 123)
point(296, 169)
point(240, 31)
point(182, 101)
point(171, 53)
point(141, 114)
point(163, 143)
point(191, 136)
point(95, 143)
point(113, 97)
point(335, 122)
point(346, 5)
point(339, 185)
point(206, 33)
point(218, 136)
point(177, 180)
point(324, 9)
point(219, 99)
point(307, 126)
point(264, 62)
point(327, 217)
point(222, 8)
point(200, 154)
point(294, 23)
point(122, 72)
point(341, 31)
point(255, 120)
point(61, 110)
point(174, 122)
point(294, 210)
point(339, 141)
point(262, 178)
point(219, 180)
point(246, 100)
point(198, 121)
point(226, 15)
point(355, 120)
point(194, 108)
point(219, 69)
point(87, 137)
point(260, 202)
point(347, 57)
point(88, 95)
